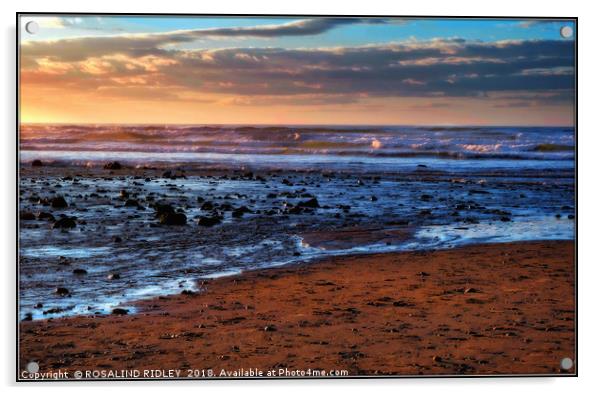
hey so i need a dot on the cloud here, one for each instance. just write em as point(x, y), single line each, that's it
point(80, 48)
point(537, 22)
point(79, 23)
point(432, 68)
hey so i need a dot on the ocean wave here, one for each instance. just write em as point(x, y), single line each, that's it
point(385, 141)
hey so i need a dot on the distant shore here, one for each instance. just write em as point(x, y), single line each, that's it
point(482, 309)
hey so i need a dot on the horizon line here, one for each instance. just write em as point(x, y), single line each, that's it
point(290, 124)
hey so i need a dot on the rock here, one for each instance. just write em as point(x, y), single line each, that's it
point(64, 261)
point(163, 208)
point(64, 223)
point(176, 219)
point(28, 317)
point(209, 221)
point(571, 216)
point(113, 276)
point(207, 206)
point(239, 212)
point(37, 163)
point(45, 216)
point(311, 203)
point(119, 311)
point(373, 198)
point(505, 219)
point(188, 292)
point(117, 239)
point(131, 203)
point(26, 216)
point(124, 194)
point(270, 328)
point(79, 272)
point(426, 198)
point(53, 310)
point(58, 202)
point(61, 291)
point(437, 358)
point(112, 166)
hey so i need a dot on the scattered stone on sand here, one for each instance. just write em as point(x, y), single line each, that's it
point(207, 206)
point(239, 212)
point(64, 223)
point(26, 216)
point(172, 219)
point(311, 203)
point(131, 203)
point(58, 202)
point(64, 261)
point(163, 208)
point(209, 221)
point(42, 215)
point(112, 166)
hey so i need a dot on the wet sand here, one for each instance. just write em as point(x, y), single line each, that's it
point(482, 309)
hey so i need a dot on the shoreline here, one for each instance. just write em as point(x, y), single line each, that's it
point(361, 313)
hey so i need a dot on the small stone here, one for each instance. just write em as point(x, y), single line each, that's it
point(45, 216)
point(59, 202)
point(61, 291)
point(311, 203)
point(270, 328)
point(119, 311)
point(26, 216)
point(79, 272)
point(64, 223)
point(175, 219)
point(209, 221)
point(112, 166)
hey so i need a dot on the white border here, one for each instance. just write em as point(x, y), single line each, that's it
point(589, 180)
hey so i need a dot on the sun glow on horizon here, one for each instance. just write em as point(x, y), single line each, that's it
point(323, 71)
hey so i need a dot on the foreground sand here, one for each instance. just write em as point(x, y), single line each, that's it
point(488, 309)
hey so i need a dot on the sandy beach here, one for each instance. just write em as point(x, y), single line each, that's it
point(482, 309)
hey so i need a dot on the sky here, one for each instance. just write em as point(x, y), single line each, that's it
point(296, 70)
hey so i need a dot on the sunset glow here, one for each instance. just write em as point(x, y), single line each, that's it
point(296, 71)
